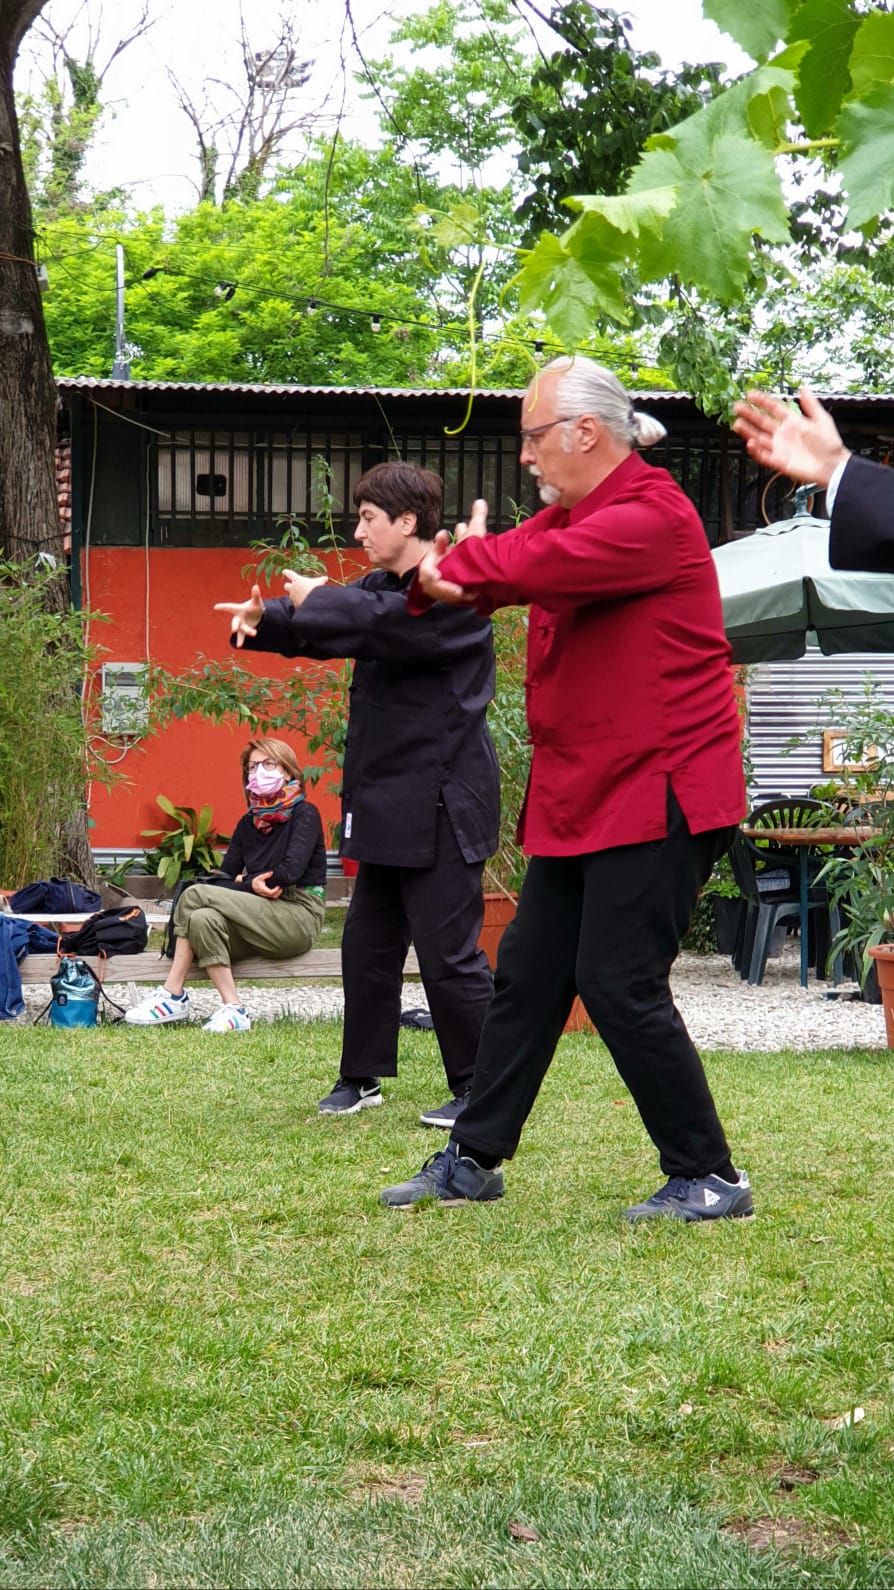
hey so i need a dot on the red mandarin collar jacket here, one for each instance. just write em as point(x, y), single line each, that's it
point(629, 686)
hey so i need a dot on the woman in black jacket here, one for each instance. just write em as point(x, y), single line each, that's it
point(269, 898)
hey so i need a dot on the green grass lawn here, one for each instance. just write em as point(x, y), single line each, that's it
point(222, 1363)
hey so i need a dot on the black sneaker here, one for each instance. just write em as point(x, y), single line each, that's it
point(446, 1115)
point(351, 1094)
point(698, 1198)
point(450, 1178)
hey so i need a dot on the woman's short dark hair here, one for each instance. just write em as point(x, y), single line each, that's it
point(399, 488)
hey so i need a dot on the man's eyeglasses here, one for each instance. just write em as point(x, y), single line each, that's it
point(537, 431)
point(269, 766)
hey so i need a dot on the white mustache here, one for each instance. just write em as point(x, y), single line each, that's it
point(548, 494)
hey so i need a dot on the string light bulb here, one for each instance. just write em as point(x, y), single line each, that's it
point(312, 306)
point(538, 346)
point(375, 322)
point(225, 290)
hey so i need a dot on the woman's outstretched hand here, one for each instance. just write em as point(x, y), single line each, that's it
point(245, 616)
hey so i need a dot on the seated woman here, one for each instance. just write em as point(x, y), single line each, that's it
point(275, 902)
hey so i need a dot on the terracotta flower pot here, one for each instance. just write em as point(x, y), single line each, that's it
point(499, 909)
point(883, 955)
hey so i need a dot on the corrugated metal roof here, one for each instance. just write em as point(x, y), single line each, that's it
point(106, 384)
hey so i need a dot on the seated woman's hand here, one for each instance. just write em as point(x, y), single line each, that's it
point(260, 886)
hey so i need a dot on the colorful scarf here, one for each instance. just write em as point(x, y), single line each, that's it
point(269, 809)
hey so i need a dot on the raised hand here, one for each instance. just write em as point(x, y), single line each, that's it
point(430, 578)
point(245, 616)
point(299, 586)
point(476, 525)
point(802, 443)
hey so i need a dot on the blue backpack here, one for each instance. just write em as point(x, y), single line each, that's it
point(54, 894)
point(76, 994)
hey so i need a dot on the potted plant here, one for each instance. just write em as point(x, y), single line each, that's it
point(860, 878)
point(504, 871)
point(189, 848)
point(724, 899)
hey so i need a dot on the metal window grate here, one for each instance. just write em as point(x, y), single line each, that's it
point(229, 487)
point(219, 487)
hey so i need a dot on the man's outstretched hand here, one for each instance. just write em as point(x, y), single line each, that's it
point(801, 443)
point(299, 586)
point(245, 616)
point(436, 588)
point(428, 571)
point(476, 525)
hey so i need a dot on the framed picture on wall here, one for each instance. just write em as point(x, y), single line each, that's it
point(834, 747)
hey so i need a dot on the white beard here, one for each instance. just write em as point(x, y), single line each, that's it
point(549, 495)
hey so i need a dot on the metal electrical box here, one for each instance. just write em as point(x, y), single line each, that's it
point(125, 698)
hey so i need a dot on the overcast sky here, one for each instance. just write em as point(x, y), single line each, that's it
point(145, 144)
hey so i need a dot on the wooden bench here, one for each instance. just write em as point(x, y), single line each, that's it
point(150, 966)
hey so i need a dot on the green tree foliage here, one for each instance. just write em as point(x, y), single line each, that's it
point(446, 112)
point(58, 123)
point(590, 106)
point(332, 233)
point(708, 199)
point(56, 134)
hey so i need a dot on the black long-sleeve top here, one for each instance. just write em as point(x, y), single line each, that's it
point(293, 852)
point(862, 530)
point(417, 730)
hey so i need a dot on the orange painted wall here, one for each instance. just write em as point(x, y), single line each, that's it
point(192, 762)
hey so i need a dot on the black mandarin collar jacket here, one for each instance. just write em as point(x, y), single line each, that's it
point(417, 731)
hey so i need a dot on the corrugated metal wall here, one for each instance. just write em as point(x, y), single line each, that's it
point(784, 701)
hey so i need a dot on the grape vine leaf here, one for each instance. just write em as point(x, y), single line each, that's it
point(728, 189)
point(872, 58)
point(866, 126)
point(830, 27)
point(757, 26)
point(573, 290)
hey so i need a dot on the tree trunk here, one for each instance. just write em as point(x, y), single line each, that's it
point(29, 512)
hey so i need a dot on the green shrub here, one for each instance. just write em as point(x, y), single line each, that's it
point(44, 740)
point(189, 848)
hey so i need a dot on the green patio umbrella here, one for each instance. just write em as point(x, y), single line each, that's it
point(779, 592)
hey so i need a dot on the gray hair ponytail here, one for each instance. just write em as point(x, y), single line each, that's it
point(585, 387)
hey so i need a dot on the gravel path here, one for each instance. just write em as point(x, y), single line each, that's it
point(720, 1010)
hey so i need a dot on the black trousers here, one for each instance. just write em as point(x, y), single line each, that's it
point(608, 926)
point(439, 909)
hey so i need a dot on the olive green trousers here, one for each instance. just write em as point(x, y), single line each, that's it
point(226, 925)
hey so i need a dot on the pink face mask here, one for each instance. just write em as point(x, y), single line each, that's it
point(265, 781)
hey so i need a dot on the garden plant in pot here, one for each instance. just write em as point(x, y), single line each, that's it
point(189, 848)
point(860, 880)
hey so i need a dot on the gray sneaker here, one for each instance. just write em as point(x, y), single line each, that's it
point(449, 1178)
point(350, 1095)
point(698, 1198)
point(446, 1115)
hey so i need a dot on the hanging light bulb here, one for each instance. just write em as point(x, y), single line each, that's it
point(225, 290)
point(538, 346)
point(375, 322)
point(311, 306)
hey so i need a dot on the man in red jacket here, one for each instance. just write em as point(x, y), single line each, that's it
point(636, 786)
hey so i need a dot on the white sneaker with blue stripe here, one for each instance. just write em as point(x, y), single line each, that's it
point(158, 1008)
point(230, 1018)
